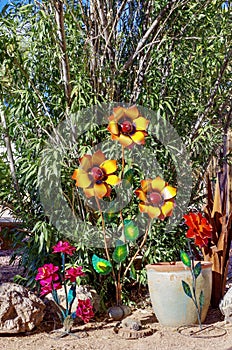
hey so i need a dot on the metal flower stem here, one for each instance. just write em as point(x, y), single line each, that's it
point(106, 248)
point(65, 287)
point(194, 298)
point(56, 301)
point(123, 161)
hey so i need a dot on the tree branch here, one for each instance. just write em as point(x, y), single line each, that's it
point(65, 69)
point(147, 34)
point(212, 95)
point(9, 151)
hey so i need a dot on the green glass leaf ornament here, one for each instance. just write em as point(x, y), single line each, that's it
point(187, 289)
point(128, 178)
point(185, 258)
point(101, 266)
point(201, 299)
point(131, 231)
point(110, 215)
point(197, 269)
point(120, 253)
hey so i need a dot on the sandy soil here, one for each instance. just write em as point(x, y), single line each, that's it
point(100, 334)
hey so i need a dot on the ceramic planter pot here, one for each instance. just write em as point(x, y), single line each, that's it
point(171, 305)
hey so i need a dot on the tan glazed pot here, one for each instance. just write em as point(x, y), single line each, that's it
point(171, 305)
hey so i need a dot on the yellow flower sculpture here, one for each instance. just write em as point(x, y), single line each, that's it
point(127, 126)
point(157, 198)
point(95, 175)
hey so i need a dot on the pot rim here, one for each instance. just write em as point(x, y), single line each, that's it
point(175, 266)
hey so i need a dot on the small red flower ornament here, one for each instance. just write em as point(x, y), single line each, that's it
point(64, 247)
point(198, 228)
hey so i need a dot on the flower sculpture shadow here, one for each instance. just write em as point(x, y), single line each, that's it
point(200, 230)
point(52, 277)
point(96, 175)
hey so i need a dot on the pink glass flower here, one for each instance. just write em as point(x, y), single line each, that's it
point(48, 287)
point(85, 310)
point(74, 272)
point(64, 247)
point(47, 273)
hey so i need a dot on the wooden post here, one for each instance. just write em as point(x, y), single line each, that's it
point(229, 183)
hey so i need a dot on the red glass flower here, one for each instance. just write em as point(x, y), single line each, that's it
point(47, 273)
point(48, 287)
point(85, 310)
point(64, 247)
point(74, 272)
point(199, 228)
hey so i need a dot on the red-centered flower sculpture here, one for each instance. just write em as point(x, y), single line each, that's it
point(128, 126)
point(157, 198)
point(96, 175)
point(64, 247)
point(198, 228)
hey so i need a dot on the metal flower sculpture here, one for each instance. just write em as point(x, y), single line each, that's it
point(52, 277)
point(96, 175)
point(128, 126)
point(157, 198)
point(198, 228)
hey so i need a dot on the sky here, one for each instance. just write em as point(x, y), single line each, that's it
point(3, 3)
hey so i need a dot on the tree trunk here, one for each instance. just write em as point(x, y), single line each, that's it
point(9, 151)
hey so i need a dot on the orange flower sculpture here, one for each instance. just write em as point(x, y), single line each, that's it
point(96, 175)
point(157, 198)
point(199, 228)
point(127, 126)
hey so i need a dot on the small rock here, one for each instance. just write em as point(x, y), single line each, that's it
point(20, 309)
point(131, 323)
